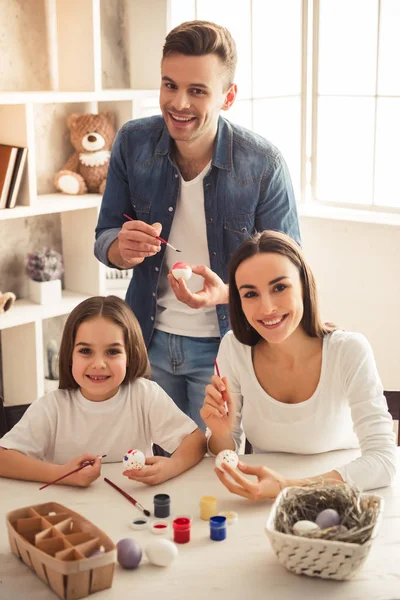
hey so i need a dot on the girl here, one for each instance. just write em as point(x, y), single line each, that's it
point(104, 405)
point(296, 384)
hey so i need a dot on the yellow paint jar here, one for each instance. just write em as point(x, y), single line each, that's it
point(208, 507)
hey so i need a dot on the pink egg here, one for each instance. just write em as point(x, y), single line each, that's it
point(182, 270)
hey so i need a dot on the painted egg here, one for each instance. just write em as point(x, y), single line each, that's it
point(129, 553)
point(161, 552)
point(327, 518)
point(228, 457)
point(303, 527)
point(134, 459)
point(182, 270)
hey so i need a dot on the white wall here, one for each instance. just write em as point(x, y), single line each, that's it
point(357, 267)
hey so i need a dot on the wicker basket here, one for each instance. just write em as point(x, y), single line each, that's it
point(58, 545)
point(327, 559)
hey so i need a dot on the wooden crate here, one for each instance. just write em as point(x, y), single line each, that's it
point(58, 544)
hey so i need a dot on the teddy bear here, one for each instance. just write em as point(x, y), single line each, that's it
point(6, 301)
point(92, 136)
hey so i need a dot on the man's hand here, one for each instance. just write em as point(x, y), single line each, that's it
point(214, 291)
point(159, 469)
point(136, 241)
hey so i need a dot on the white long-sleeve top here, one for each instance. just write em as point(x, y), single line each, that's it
point(347, 409)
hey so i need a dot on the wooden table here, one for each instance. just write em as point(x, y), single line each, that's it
point(242, 567)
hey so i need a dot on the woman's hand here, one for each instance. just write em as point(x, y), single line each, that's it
point(159, 469)
point(219, 411)
point(268, 485)
point(85, 476)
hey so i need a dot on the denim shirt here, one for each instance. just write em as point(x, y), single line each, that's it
point(247, 189)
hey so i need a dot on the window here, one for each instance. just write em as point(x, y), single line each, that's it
point(319, 80)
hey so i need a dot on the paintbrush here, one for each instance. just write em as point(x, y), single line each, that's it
point(157, 236)
point(82, 466)
point(219, 375)
point(128, 497)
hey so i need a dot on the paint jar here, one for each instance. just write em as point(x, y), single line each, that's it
point(162, 503)
point(208, 507)
point(181, 527)
point(217, 528)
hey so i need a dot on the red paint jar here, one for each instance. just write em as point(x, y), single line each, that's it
point(181, 527)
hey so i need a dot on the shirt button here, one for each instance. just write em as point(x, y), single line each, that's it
point(154, 294)
point(222, 317)
point(152, 318)
point(156, 268)
point(214, 254)
point(209, 220)
point(170, 209)
point(176, 175)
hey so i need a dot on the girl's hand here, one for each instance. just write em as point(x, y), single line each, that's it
point(85, 476)
point(159, 469)
point(218, 419)
point(269, 483)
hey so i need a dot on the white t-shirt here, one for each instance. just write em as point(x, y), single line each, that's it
point(64, 424)
point(347, 409)
point(188, 234)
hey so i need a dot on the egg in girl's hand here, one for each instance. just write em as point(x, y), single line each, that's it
point(182, 270)
point(129, 553)
point(327, 518)
point(303, 527)
point(134, 459)
point(161, 552)
point(229, 457)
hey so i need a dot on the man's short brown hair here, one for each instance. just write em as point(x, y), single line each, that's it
point(199, 38)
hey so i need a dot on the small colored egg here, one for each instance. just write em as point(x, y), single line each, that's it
point(303, 527)
point(229, 457)
point(134, 459)
point(182, 270)
point(129, 553)
point(161, 552)
point(327, 518)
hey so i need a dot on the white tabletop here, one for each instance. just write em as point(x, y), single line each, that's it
point(242, 566)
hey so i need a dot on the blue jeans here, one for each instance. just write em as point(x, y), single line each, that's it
point(183, 366)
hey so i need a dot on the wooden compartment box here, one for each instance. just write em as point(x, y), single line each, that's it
point(59, 545)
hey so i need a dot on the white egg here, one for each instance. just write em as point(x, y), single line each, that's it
point(134, 459)
point(161, 552)
point(182, 270)
point(303, 527)
point(229, 457)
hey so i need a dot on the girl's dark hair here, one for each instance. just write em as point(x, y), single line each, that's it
point(116, 310)
point(199, 38)
point(278, 243)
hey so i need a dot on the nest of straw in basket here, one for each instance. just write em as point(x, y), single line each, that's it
point(358, 513)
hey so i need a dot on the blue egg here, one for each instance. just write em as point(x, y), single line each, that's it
point(327, 518)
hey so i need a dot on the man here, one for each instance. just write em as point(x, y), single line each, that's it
point(205, 185)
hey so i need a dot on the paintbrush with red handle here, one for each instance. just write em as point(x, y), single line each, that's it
point(128, 497)
point(219, 375)
point(82, 466)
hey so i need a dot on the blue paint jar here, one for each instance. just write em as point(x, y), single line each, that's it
point(217, 528)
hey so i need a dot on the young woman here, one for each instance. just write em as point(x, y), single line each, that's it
point(293, 383)
point(104, 405)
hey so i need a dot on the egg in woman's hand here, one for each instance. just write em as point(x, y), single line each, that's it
point(161, 552)
point(182, 270)
point(134, 459)
point(229, 457)
point(327, 518)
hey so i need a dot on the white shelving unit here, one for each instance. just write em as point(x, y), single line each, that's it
point(90, 49)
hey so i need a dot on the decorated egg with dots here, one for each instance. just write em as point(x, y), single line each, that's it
point(327, 518)
point(134, 459)
point(161, 552)
point(129, 553)
point(229, 457)
point(182, 270)
point(303, 527)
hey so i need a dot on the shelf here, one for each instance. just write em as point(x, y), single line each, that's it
point(46, 204)
point(24, 311)
point(53, 97)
